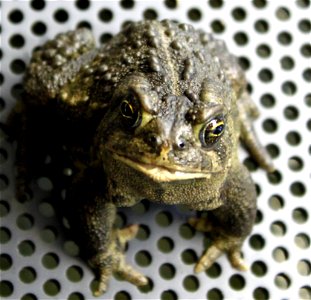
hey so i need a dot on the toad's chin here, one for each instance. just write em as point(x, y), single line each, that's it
point(159, 173)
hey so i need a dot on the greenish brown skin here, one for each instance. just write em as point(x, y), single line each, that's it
point(176, 80)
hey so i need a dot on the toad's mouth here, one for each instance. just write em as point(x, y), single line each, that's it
point(160, 173)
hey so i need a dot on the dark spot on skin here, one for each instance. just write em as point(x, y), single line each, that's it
point(107, 76)
point(176, 45)
point(169, 33)
point(189, 39)
point(205, 38)
point(103, 68)
point(153, 42)
point(188, 69)
point(191, 96)
point(200, 56)
point(150, 33)
point(154, 64)
point(167, 23)
point(137, 44)
point(185, 27)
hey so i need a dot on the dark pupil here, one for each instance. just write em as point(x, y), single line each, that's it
point(127, 110)
point(218, 129)
point(130, 113)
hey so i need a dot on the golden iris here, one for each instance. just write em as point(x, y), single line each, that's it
point(130, 112)
point(212, 131)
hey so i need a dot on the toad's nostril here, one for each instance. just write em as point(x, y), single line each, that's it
point(153, 140)
point(181, 145)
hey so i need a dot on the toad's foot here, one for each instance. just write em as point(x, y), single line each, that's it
point(113, 260)
point(222, 244)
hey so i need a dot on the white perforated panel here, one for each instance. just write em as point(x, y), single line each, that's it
point(272, 38)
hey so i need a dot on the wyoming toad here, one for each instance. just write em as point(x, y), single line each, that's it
point(156, 113)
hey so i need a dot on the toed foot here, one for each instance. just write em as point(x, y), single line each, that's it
point(113, 261)
point(221, 244)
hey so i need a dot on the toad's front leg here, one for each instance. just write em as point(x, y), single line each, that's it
point(231, 223)
point(92, 219)
point(112, 259)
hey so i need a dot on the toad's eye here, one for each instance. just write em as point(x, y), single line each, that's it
point(212, 131)
point(130, 112)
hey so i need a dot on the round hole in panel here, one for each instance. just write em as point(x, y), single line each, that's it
point(6, 288)
point(282, 281)
point(150, 14)
point(172, 4)
point(239, 13)
point(304, 267)
point(214, 271)
point(215, 293)
point(5, 262)
point(27, 275)
point(50, 260)
point(37, 4)
point(39, 28)
point(61, 15)
point(257, 242)
point(83, 4)
point(71, 248)
point(167, 271)
point(122, 295)
point(17, 41)
point(148, 287)
point(300, 215)
point(191, 283)
point(280, 254)
point(26, 248)
point(218, 26)
point(143, 258)
point(282, 13)
point(305, 292)
point(237, 282)
point(4, 208)
point(194, 14)
point(261, 26)
point(16, 16)
point(263, 51)
point(29, 296)
point(76, 296)
point(259, 268)
point(169, 295)
point(261, 294)
point(189, 256)
point(143, 232)
point(74, 273)
point(51, 287)
point(186, 231)
point(302, 240)
point(5, 235)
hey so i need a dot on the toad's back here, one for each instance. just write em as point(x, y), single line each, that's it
point(176, 59)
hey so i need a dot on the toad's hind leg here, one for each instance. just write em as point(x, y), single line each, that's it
point(231, 223)
point(248, 112)
point(26, 126)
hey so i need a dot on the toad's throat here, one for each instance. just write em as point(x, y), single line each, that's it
point(160, 173)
